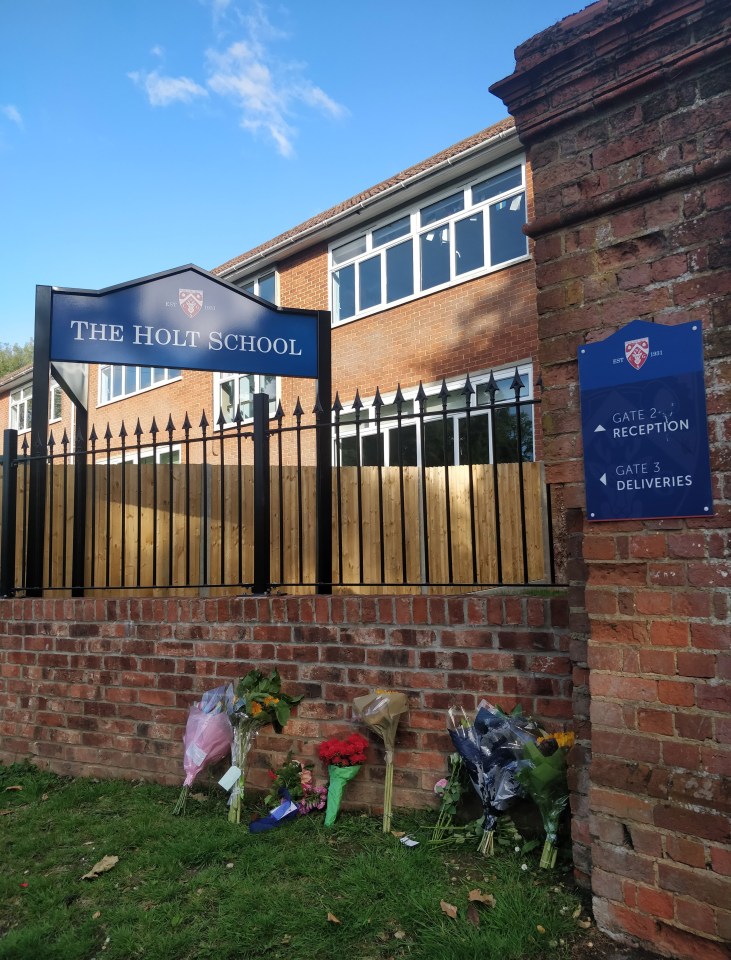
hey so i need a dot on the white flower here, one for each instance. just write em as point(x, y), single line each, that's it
point(524, 866)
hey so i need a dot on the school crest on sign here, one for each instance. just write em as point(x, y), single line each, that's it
point(636, 351)
point(191, 302)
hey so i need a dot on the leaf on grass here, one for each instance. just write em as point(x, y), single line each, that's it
point(95, 916)
point(540, 928)
point(577, 913)
point(584, 924)
point(449, 909)
point(44, 797)
point(478, 895)
point(106, 863)
point(332, 918)
point(399, 934)
point(473, 915)
point(11, 789)
point(4, 813)
point(398, 833)
point(199, 797)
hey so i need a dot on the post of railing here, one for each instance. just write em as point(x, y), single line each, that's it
point(10, 499)
point(262, 559)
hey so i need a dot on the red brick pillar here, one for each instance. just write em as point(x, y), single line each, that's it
point(625, 109)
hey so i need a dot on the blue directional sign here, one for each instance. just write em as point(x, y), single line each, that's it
point(644, 427)
point(184, 318)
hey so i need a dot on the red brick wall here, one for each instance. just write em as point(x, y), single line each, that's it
point(625, 109)
point(102, 687)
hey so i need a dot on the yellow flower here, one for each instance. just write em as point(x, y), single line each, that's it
point(255, 709)
point(563, 740)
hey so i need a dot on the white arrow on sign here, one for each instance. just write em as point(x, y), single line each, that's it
point(600, 429)
point(603, 479)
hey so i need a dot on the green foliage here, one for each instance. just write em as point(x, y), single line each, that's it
point(13, 356)
point(201, 888)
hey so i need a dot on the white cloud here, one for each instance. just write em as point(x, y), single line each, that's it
point(12, 113)
point(268, 93)
point(264, 90)
point(162, 91)
point(158, 51)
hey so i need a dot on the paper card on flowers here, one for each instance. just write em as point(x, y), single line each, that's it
point(229, 778)
point(285, 807)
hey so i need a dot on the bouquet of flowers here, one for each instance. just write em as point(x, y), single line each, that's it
point(543, 777)
point(258, 701)
point(450, 790)
point(296, 779)
point(343, 759)
point(381, 711)
point(492, 750)
point(207, 738)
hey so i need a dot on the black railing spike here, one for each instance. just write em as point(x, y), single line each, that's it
point(491, 387)
point(187, 425)
point(444, 393)
point(468, 390)
point(517, 383)
point(399, 398)
point(204, 421)
point(24, 447)
point(378, 402)
point(357, 403)
point(51, 442)
point(123, 431)
point(421, 396)
point(108, 433)
point(337, 406)
point(170, 428)
point(279, 415)
point(318, 408)
point(154, 429)
point(298, 409)
point(93, 435)
point(65, 439)
point(238, 417)
point(138, 428)
point(221, 422)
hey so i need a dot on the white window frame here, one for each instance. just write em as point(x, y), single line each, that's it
point(259, 379)
point(21, 408)
point(55, 391)
point(162, 450)
point(368, 249)
point(253, 285)
point(169, 375)
point(410, 410)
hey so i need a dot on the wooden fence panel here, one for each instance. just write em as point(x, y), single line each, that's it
point(144, 515)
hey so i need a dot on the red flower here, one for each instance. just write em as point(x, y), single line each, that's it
point(344, 753)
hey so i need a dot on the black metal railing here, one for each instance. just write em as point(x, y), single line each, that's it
point(438, 491)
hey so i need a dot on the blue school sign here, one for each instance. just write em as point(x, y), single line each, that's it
point(184, 318)
point(644, 427)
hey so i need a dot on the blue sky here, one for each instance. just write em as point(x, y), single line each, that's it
point(140, 135)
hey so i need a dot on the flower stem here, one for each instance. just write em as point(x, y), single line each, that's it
point(179, 807)
point(388, 798)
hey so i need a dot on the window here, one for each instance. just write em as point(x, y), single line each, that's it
point(474, 229)
point(116, 382)
point(21, 408)
point(236, 391)
point(163, 454)
point(446, 437)
point(54, 403)
point(264, 287)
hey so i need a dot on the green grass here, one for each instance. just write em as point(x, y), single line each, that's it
point(198, 887)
